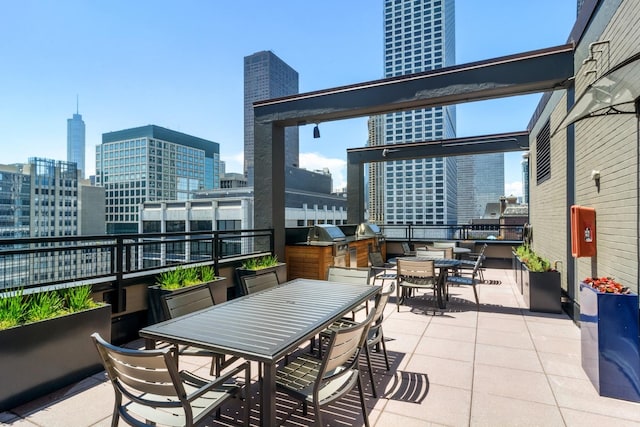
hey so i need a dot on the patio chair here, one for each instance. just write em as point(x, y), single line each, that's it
point(375, 336)
point(467, 280)
point(358, 276)
point(431, 253)
point(406, 249)
point(320, 381)
point(157, 393)
point(469, 264)
point(414, 274)
point(259, 282)
point(180, 304)
point(443, 245)
point(381, 270)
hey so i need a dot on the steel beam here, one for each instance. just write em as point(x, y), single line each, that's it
point(529, 72)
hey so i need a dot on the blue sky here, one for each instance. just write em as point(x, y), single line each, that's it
point(179, 64)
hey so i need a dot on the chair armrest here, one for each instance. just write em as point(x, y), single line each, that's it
point(204, 385)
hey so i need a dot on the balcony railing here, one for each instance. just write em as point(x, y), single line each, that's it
point(409, 232)
point(34, 263)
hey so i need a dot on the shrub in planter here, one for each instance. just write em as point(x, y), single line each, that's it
point(540, 282)
point(261, 265)
point(179, 280)
point(45, 341)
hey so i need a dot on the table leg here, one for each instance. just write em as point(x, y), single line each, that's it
point(268, 398)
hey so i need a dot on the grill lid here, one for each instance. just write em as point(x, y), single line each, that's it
point(325, 233)
point(366, 229)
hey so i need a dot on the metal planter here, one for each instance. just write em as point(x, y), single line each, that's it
point(610, 344)
point(41, 357)
point(542, 290)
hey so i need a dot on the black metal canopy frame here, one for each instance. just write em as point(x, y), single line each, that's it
point(616, 92)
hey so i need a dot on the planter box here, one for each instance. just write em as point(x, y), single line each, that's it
point(542, 290)
point(156, 293)
point(41, 357)
point(610, 344)
point(517, 267)
point(280, 269)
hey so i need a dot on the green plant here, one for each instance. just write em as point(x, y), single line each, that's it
point(79, 298)
point(207, 273)
point(191, 276)
point(19, 308)
point(44, 305)
point(183, 277)
point(260, 263)
point(533, 261)
point(11, 310)
point(171, 279)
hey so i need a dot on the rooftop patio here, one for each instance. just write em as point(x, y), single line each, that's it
point(502, 365)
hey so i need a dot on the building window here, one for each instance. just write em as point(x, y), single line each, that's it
point(543, 154)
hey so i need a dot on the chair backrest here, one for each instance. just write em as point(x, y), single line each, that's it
point(406, 248)
point(343, 349)
point(442, 245)
point(376, 324)
point(430, 253)
point(139, 373)
point(359, 276)
point(375, 258)
point(259, 282)
point(188, 302)
point(415, 268)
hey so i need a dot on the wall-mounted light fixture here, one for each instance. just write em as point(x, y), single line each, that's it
point(595, 175)
point(316, 131)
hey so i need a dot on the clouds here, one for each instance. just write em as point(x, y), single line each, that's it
point(317, 161)
point(513, 189)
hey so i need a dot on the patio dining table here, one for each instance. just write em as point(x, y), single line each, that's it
point(443, 265)
point(265, 326)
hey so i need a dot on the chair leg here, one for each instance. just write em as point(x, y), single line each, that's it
point(475, 293)
point(373, 382)
point(363, 403)
point(384, 350)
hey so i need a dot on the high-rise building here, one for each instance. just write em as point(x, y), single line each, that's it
point(480, 181)
point(525, 177)
point(375, 172)
point(46, 198)
point(151, 163)
point(267, 76)
point(76, 142)
point(419, 35)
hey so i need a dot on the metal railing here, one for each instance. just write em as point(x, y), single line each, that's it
point(33, 263)
point(409, 232)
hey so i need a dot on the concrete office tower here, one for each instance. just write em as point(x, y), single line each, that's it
point(151, 163)
point(375, 173)
point(419, 35)
point(267, 76)
point(76, 142)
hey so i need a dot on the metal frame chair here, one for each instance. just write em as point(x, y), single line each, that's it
point(358, 276)
point(468, 281)
point(414, 274)
point(320, 381)
point(380, 269)
point(375, 337)
point(255, 283)
point(180, 304)
point(156, 392)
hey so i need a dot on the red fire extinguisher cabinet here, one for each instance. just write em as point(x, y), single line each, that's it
point(583, 231)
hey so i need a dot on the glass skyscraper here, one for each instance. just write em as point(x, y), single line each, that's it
point(267, 76)
point(151, 163)
point(76, 142)
point(418, 36)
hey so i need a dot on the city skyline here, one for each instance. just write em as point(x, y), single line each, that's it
point(180, 67)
